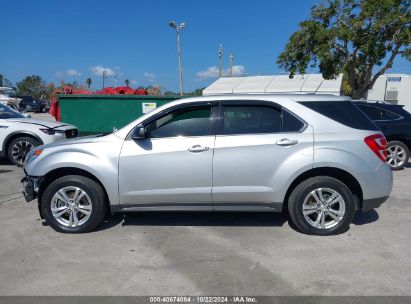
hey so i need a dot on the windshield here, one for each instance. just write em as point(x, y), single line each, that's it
point(6, 112)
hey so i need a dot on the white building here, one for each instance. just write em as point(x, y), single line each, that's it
point(393, 88)
point(303, 84)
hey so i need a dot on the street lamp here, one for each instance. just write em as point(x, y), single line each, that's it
point(231, 63)
point(220, 61)
point(178, 28)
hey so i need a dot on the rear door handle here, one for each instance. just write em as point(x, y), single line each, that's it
point(197, 148)
point(287, 142)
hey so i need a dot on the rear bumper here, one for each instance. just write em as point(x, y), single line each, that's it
point(369, 204)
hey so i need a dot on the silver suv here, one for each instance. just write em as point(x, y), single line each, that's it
point(317, 157)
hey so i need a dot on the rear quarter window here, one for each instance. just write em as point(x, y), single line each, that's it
point(344, 112)
point(376, 113)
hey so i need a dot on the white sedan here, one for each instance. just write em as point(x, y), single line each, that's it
point(18, 134)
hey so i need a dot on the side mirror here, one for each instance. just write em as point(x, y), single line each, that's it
point(139, 133)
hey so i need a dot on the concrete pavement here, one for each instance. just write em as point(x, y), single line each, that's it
point(203, 253)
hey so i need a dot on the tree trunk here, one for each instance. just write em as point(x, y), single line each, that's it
point(358, 94)
point(360, 83)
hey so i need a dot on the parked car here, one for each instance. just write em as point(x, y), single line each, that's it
point(19, 134)
point(29, 104)
point(7, 100)
point(319, 157)
point(395, 122)
point(44, 106)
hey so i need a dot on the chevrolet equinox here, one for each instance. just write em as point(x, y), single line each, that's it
point(317, 157)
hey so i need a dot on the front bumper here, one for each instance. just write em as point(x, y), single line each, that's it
point(30, 188)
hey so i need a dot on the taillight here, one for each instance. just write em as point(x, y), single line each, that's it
point(378, 144)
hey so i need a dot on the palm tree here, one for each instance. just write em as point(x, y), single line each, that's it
point(127, 82)
point(89, 82)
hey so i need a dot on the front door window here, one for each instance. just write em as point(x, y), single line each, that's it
point(183, 122)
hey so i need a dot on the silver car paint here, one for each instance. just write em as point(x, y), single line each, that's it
point(245, 169)
point(98, 156)
point(163, 170)
point(251, 168)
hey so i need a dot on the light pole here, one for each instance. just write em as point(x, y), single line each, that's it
point(104, 77)
point(178, 28)
point(220, 63)
point(231, 63)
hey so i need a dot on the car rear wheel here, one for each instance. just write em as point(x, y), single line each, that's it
point(73, 204)
point(397, 155)
point(321, 206)
point(19, 148)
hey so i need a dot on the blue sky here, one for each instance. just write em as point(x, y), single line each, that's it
point(73, 40)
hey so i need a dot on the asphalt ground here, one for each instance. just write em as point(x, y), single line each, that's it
point(203, 253)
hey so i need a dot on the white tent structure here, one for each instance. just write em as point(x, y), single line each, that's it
point(300, 84)
point(392, 88)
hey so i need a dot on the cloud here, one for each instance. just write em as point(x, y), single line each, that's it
point(238, 70)
point(150, 77)
point(72, 72)
point(212, 72)
point(98, 70)
point(133, 81)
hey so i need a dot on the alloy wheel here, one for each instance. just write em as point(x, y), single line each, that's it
point(323, 208)
point(396, 156)
point(20, 150)
point(71, 206)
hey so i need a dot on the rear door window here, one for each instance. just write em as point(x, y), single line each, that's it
point(251, 120)
point(344, 112)
point(291, 123)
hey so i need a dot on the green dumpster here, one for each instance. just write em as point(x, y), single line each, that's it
point(93, 114)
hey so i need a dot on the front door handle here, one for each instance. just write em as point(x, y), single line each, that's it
point(287, 142)
point(198, 148)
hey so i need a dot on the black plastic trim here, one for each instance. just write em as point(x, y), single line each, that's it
point(372, 203)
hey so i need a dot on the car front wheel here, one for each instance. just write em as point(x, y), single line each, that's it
point(73, 204)
point(321, 206)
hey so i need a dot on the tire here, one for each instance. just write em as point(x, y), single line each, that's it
point(19, 147)
point(343, 209)
point(92, 202)
point(398, 155)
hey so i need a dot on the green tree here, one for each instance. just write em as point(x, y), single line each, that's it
point(33, 86)
point(49, 91)
point(4, 82)
point(196, 92)
point(88, 82)
point(170, 93)
point(353, 37)
point(153, 90)
point(127, 82)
